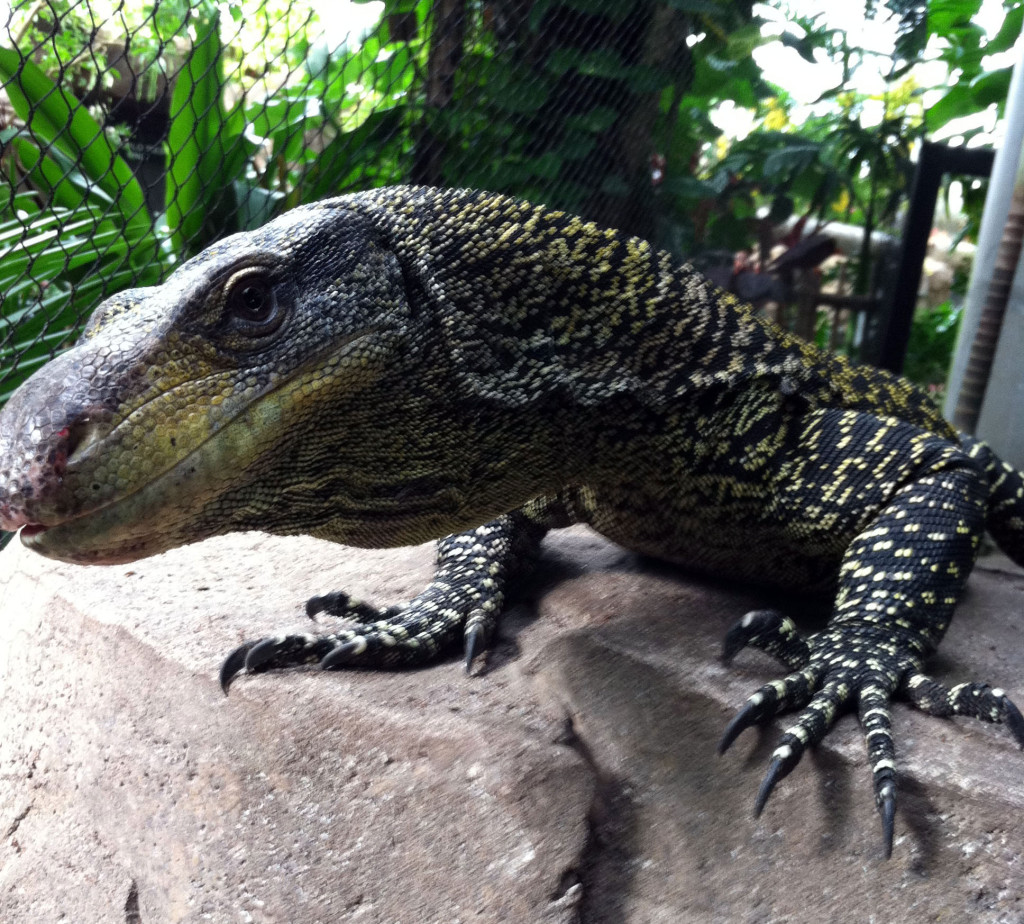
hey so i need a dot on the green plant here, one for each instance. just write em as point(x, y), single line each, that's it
point(207, 148)
point(930, 349)
point(964, 46)
point(83, 231)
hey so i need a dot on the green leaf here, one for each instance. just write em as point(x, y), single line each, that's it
point(702, 7)
point(992, 87)
point(54, 267)
point(286, 109)
point(516, 90)
point(547, 166)
point(959, 101)
point(1008, 32)
point(802, 46)
point(575, 147)
point(794, 158)
point(602, 62)
point(205, 151)
point(597, 120)
point(45, 173)
point(741, 43)
point(61, 121)
point(687, 187)
point(562, 60)
point(643, 78)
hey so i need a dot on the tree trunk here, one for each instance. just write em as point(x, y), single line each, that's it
point(448, 27)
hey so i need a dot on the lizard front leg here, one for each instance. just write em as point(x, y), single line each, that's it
point(464, 600)
point(899, 581)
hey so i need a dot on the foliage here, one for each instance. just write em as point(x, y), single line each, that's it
point(61, 124)
point(81, 229)
point(84, 233)
point(932, 341)
point(964, 48)
point(342, 120)
point(604, 107)
point(206, 147)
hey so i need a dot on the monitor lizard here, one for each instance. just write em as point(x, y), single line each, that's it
point(404, 364)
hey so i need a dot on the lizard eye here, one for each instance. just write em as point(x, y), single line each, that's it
point(252, 306)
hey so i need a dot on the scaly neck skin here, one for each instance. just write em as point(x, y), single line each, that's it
point(524, 287)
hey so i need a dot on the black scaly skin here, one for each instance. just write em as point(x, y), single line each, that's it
point(406, 364)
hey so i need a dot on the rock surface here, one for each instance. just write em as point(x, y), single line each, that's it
point(572, 779)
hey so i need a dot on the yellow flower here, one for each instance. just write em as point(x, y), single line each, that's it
point(777, 117)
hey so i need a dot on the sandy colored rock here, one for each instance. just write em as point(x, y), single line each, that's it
point(574, 778)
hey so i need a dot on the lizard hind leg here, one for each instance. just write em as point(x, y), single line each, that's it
point(1005, 518)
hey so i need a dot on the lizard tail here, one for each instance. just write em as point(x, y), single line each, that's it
point(1005, 519)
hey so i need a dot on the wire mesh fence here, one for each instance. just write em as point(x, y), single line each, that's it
point(134, 135)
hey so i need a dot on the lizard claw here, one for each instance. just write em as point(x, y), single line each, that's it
point(887, 809)
point(325, 603)
point(785, 758)
point(474, 643)
point(753, 713)
point(343, 606)
point(772, 633)
point(342, 654)
point(771, 777)
point(234, 664)
point(278, 651)
point(260, 653)
point(1014, 721)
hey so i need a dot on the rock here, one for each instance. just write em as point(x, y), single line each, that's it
point(572, 778)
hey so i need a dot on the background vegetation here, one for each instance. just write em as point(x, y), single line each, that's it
point(134, 135)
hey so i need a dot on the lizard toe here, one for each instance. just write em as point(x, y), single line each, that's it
point(887, 809)
point(475, 640)
point(876, 722)
point(976, 700)
point(810, 727)
point(260, 655)
point(770, 632)
point(480, 627)
point(784, 759)
point(287, 651)
point(339, 604)
point(343, 653)
point(790, 692)
point(833, 682)
point(757, 709)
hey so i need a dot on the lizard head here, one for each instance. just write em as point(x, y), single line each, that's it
point(181, 403)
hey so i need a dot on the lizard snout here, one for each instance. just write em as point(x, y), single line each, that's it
point(38, 440)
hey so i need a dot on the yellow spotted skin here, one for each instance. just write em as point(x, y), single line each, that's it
point(408, 363)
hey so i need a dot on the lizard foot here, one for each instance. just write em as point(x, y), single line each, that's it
point(463, 601)
point(479, 625)
point(839, 672)
point(394, 637)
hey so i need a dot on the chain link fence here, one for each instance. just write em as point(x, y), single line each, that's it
point(134, 135)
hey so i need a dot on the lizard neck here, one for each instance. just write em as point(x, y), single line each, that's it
point(538, 307)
